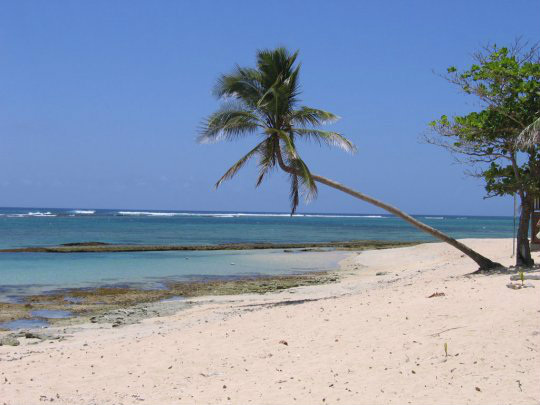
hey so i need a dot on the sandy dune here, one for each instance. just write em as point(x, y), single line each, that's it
point(368, 339)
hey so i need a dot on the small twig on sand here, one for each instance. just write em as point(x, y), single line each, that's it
point(446, 330)
point(519, 385)
point(287, 302)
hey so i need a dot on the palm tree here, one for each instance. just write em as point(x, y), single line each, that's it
point(530, 136)
point(264, 101)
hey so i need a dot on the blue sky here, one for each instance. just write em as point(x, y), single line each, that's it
point(100, 100)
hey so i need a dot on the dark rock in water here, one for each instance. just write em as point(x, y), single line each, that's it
point(73, 247)
point(40, 336)
point(85, 244)
point(30, 335)
point(9, 341)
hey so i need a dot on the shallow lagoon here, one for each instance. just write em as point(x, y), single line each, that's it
point(24, 274)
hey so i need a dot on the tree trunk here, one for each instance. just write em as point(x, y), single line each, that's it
point(523, 251)
point(483, 262)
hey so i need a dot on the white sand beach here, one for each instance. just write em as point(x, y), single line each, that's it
point(369, 339)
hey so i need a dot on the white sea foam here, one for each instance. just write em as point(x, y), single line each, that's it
point(32, 214)
point(236, 215)
point(242, 214)
point(434, 217)
point(147, 213)
point(83, 212)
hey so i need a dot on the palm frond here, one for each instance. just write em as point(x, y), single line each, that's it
point(307, 116)
point(309, 186)
point(530, 136)
point(294, 193)
point(290, 149)
point(273, 63)
point(328, 137)
point(231, 121)
point(267, 160)
point(242, 84)
point(238, 165)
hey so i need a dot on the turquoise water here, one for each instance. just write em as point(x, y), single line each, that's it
point(26, 273)
point(44, 226)
point(35, 273)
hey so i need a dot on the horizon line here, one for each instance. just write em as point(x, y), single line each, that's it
point(243, 211)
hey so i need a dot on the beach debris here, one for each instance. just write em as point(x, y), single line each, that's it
point(211, 374)
point(478, 389)
point(519, 385)
point(445, 349)
point(9, 341)
point(283, 342)
point(437, 294)
point(516, 286)
point(516, 277)
point(442, 331)
point(381, 273)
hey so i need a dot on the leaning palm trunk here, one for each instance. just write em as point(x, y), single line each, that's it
point(483, 262)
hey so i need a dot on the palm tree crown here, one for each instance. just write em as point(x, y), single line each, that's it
point(264, 101)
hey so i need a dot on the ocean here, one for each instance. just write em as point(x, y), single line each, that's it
point(29, 273)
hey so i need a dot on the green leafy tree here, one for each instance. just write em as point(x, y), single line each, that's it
point(499, 139)
point(264, 101)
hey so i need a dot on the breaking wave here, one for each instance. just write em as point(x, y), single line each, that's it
point(235, 215)
point(32, 214)
point(147, 214)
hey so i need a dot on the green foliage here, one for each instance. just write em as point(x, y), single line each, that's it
point(264, 101)
point(507, 83)
point(522, 277)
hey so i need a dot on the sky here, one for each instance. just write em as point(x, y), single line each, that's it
point(100, 101)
